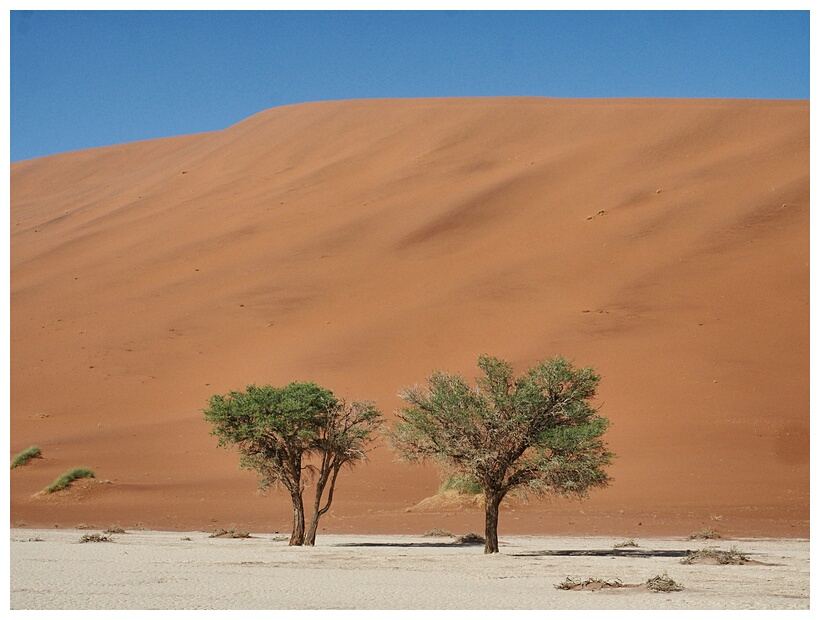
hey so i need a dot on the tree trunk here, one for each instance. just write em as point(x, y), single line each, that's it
point(310, 538)
point(297, 538)
point(492, 500)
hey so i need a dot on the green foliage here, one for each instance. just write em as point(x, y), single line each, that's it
point(466, 485)
point(271, 427)
point(278, 430)
point(25, 456)
point(537, 433)
point(67, 478)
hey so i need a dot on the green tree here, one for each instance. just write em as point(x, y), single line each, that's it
point(537, 433)
point(277, 430)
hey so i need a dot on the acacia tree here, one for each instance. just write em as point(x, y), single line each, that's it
point(276, 430)
point(537, 433)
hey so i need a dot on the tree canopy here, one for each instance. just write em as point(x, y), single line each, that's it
point(538, 433)
point(277, 430)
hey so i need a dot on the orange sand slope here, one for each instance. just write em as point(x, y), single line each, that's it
point(363, 244)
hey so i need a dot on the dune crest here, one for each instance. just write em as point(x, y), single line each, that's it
point(364, 244)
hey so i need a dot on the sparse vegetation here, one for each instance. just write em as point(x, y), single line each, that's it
point(95, 538)
point(437, 533)
point(626, 543)
point(32, 452)
point(589, 584)
point(231, 533)
point(537, 433)
point(67, 478)
point(186, 538)
point(706, 534)
point(114, 529)
point(711, 555)
point(663, 583)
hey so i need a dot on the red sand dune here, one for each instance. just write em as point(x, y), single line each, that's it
point(364, 244)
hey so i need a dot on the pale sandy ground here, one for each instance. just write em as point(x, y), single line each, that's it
point(50, 569)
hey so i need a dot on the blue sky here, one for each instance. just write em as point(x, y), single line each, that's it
point(95, 78)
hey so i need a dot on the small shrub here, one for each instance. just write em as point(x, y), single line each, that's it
point(707, 534)
point(67, 478)
point(470, 538)
point(95, 538)
point(466, 485)
point(32, 452)
point(626, 543)
point(114, 529)
point(36, 539)
point(187, 538)
point(712, 555)
point(438, 532)
point(663, 583)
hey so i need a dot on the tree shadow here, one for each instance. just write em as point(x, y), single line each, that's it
point(409, 545)
point(601, 553)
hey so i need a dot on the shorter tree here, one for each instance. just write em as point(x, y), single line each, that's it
point(536, 433)
point(343, 439)
point(277, 431)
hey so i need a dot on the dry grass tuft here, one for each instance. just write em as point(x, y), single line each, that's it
point(707, 534)
point(438, 533)
point(231, 533)
point(95, 538)
point(626, 543)
point(663, 583)
point(470, 538)
point(710, 555)
point(589, 584)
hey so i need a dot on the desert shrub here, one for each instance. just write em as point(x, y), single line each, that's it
point(95, 538)
point(707, 534)
point(67, 478)
point(32, 452)
point(663, 583)
point(114, 529)
point(626, 543)
point(186, 538)
point(466, 485)
point(438, 532)
point(710, 554)
point(470, 538)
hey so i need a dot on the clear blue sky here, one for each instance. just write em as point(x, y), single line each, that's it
point(94, 78)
